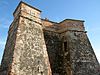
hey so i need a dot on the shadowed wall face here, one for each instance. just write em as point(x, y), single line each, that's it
point(82, 56)
point(54, 49)
point(9, 48)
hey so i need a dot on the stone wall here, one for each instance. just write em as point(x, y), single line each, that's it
point(75, 25)
point(30, 56)
point(25, 52)
point(82, 57)
point(54, 49)
point(9, 48)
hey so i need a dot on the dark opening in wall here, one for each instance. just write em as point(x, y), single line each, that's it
point(67, 52)
point(65, 46)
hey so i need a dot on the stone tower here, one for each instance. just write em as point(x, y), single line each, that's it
point(38, 46)
point(78, 55)
point(69, 48)
point(25, 52)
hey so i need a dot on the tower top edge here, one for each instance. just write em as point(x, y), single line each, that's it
point(72, 20)
point(21, 2)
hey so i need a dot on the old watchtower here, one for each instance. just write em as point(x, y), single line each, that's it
point(38, 46)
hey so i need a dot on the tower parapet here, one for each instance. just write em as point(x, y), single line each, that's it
point(28, 12)
point(71, 25)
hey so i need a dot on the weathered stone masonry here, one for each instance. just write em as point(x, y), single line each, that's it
point(38, 46)
point(27, 53)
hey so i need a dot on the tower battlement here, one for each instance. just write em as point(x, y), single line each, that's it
point(65, 25)
point(32, 13)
